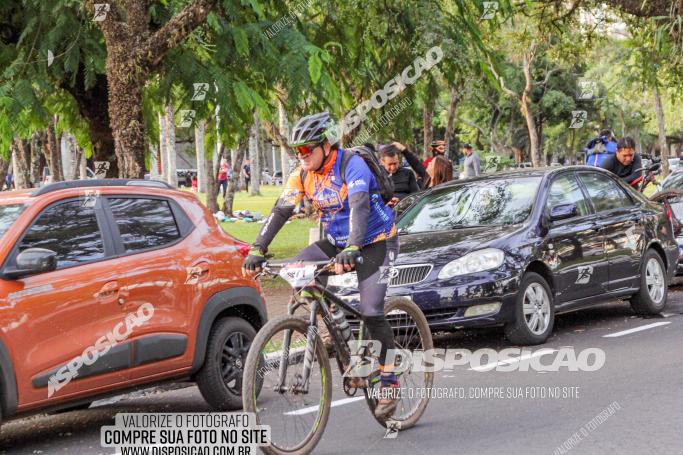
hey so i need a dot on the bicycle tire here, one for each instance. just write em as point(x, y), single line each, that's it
point(666, 194)
point(407, 305)
point(251, 369)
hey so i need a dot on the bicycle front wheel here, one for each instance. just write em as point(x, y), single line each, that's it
point(411, 333)
point(294, 401)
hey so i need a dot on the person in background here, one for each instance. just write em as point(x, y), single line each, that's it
point(223, 176)
point(9, 181)
point(415, 163)
point(246, 172)
point(438, 148)
point(440, 170)
point(472, 163)
point(404, 179)
point(626, 162)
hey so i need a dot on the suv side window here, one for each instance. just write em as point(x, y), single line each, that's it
point(565, 190)
point(605, 192)
point(144, 223)
point(70, 229)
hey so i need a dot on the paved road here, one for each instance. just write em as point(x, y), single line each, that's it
point(641, 384)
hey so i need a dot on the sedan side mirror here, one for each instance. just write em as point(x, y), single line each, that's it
point(404, 204)
point(563, 211)
point(32, 261)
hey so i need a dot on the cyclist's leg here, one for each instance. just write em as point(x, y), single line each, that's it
point(318, 251)
point(373, 279)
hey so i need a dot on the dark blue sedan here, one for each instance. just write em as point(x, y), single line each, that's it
point(514, 249)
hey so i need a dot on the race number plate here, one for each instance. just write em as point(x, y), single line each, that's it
point(298, 275)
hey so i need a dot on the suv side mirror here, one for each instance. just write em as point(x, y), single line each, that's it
point(32, 261)
point(563, 211)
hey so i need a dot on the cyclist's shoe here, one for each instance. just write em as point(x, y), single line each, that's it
point(389, 396)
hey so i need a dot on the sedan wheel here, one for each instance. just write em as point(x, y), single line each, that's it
point(536, 306)
point(652, 295)
point(654, 279)
point(534, 312)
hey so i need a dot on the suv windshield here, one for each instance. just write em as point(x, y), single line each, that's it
point(485, 202)
point(8, 215)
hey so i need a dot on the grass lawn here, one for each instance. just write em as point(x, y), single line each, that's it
point(292, 238)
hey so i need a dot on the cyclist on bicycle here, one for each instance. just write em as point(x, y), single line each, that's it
point(357, 224)
point(626, 163)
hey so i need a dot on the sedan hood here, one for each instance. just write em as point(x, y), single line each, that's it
point(444, 246)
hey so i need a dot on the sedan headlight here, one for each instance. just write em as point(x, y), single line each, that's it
point(476, 261)
point(345, 280)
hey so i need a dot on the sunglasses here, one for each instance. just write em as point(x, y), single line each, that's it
point(305, 150)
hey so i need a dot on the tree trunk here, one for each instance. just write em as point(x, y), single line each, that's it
point(126, 78)
point(199, 132)
point(254, 157)
point(452, 106)
point(427, 129)
point(525, 106)
point(284, 130)
point(171, 175)
point(4, 169)
point(21, 154)
point(163, 159)
point(34, 159)
point(664, 149)
point(55, 157)
point(211, 186)
point(531, 128)
point(233, 184)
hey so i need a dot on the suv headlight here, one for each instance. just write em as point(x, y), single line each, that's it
point(476, 261)
point(345, 280)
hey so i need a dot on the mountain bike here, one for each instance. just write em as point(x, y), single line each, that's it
point(287, 376)
point(665, 197)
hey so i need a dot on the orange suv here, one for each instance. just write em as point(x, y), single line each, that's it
point(114, 284)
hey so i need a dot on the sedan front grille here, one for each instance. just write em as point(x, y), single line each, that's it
point(409, 274)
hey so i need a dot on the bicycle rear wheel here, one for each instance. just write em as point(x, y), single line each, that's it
point(411, 332)
point(296, 418)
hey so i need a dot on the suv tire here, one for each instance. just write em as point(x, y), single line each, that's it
point(226, 353)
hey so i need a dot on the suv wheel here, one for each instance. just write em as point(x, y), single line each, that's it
point(652, 296)
point(220, 378)
point(534, 312)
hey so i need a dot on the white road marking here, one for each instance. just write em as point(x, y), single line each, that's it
point(637, 329)
point(310, 409)
point(493, 365)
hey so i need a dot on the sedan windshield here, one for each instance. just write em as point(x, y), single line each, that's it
point(8, 215)
point(484, 202)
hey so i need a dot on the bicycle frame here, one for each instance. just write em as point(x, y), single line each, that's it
point(318, 306)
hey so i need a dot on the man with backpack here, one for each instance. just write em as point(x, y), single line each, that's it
point(349, 189)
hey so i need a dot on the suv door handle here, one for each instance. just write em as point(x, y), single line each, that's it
point(108, 290)
point(197, 272)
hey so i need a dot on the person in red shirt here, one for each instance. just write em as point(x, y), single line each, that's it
point(223, 177)
point(438, 148)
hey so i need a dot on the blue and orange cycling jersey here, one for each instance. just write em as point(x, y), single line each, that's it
point(329, 194)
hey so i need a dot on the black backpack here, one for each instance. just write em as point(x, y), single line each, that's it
point(386, 185)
